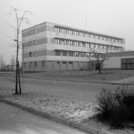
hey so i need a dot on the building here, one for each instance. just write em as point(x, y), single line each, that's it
point(120, 60)
point(54, 47)
point(8, 68)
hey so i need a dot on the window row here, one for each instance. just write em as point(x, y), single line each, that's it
point(128, 66)
point(86, 34)
point(35, 54)
point(34, 64)
point(34, 31)
point(35, 42)
point(86, 44)
point(128, 60)
point(72, 53)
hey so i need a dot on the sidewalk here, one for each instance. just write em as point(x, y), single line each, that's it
point(128, 81)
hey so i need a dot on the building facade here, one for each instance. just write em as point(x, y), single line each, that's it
point(54, 47)
point(120, 60)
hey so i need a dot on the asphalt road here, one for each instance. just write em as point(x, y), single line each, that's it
point(16, 121)
point(81, 91)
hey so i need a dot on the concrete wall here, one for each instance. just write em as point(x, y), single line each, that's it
point(69, 65)
point(56, 66)
point(114, 62)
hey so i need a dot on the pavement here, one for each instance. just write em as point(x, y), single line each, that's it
point(16, 121)
point(76, 90)
point(85, 92)
point(128, 81)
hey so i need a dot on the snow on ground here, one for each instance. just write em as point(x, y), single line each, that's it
point(71, 109)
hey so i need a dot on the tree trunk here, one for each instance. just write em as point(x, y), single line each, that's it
point(19, 79)
point(99, 68)
point(16, 79)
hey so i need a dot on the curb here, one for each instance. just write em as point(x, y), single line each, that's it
point(57, 119)
point(107, 83)
point(75, 81)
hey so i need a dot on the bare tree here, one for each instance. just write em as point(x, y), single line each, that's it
point(98, 57)
point(20, 17)
point(2, 62)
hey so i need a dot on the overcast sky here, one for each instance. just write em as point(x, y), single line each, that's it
point(112, 17)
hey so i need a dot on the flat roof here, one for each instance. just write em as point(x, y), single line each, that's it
point(123, 53)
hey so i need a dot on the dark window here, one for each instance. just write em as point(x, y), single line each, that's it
point(70, 62)
point(64, 62)
point(58, 62)
point(128, 63)
point(24, 64)
point(64, 53)
point(30, 54)
point(57, 53)
point(43, 63)
point(35, 64)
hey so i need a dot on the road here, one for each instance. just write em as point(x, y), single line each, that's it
point(82, 91)
point(16, 121)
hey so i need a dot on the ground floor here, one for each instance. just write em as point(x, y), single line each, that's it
point(58, 65)
point(122, 60)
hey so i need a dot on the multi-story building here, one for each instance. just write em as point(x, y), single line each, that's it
point(54, 47)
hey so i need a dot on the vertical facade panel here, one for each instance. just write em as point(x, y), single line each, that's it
point(63, 66)
point(56, 66)
point(49, 66)
point(75, 65)
point(69, 65)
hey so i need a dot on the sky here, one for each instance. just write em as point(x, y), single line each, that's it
point(112, 17)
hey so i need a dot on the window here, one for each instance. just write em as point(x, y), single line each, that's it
point(41, 41)
point(128, 63)
point(76, 54)
point(89, 45)
point(30, 54)
point(70, 62)
point(57, 29)
point(64, 53)
point(93, 36)
point(92, 45)
point(35, 64)
point(34, 31)
point(64, 62)
point(30, 43)
point(77, 33)
point(79, 44)
point(70, 53)
point(41, 29)
point(30, 32)
point(43, 63)
point(24, 65)
point(87, 54)
point(57, 53)
point(62, 42)
point(83, 44)
point(71, 43)
point(88, 35)
point(65, 42)
point(34, 42)
point(57, 41)
point(84, 34)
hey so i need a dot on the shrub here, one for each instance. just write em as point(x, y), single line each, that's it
point(105, 101)
point(116, 107)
